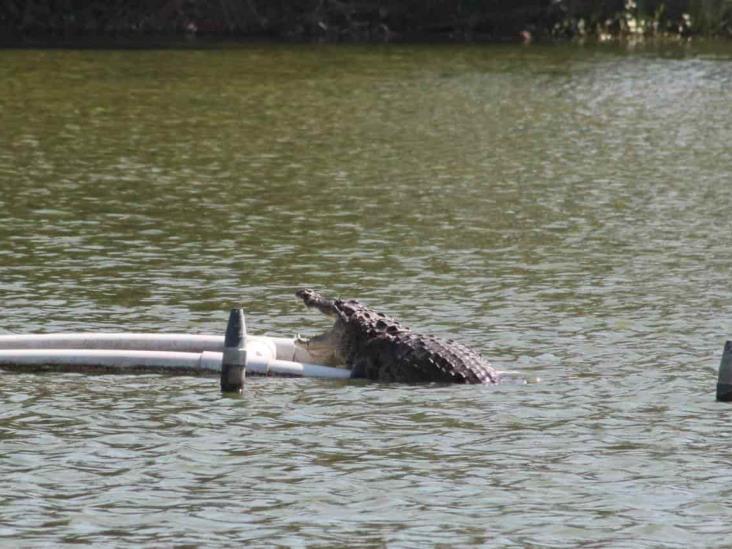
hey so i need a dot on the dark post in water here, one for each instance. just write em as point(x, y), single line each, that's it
point(235, 355)
point(724, 382)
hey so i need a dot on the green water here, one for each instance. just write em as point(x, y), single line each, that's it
point(563, 209)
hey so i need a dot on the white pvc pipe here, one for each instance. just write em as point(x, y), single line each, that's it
point(207, 362)
point(297, 369)
point(114, 359)
point(186, 343)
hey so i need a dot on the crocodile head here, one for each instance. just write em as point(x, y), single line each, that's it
point(355, 325)
point(325, 348)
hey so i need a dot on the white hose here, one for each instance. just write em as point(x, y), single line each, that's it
point(113, 359)
point(186, 343)
point(207, 362)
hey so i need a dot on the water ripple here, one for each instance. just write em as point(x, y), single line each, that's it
point(561, 209)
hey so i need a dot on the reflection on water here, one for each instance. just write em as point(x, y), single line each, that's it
point(564, 210)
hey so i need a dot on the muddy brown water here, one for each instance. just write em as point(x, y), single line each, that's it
point(564, 209)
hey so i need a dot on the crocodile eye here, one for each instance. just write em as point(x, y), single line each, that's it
point(392, 330)
point(380, 325)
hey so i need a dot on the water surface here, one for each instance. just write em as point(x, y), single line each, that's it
point(563, 209)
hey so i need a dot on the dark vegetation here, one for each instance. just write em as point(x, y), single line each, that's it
point(362, 20)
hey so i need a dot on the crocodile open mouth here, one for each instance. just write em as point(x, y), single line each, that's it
point(321, 348)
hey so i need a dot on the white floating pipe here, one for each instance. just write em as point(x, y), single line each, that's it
point(171, 353)
point(205, 363)
point(258, 366)
point(115, 359)
point(187, 343)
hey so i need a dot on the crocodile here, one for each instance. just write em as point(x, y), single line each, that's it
point(377, 347)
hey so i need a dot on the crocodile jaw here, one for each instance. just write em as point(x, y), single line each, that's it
point(323, 348)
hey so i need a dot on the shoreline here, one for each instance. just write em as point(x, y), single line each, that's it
point(214, 41)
